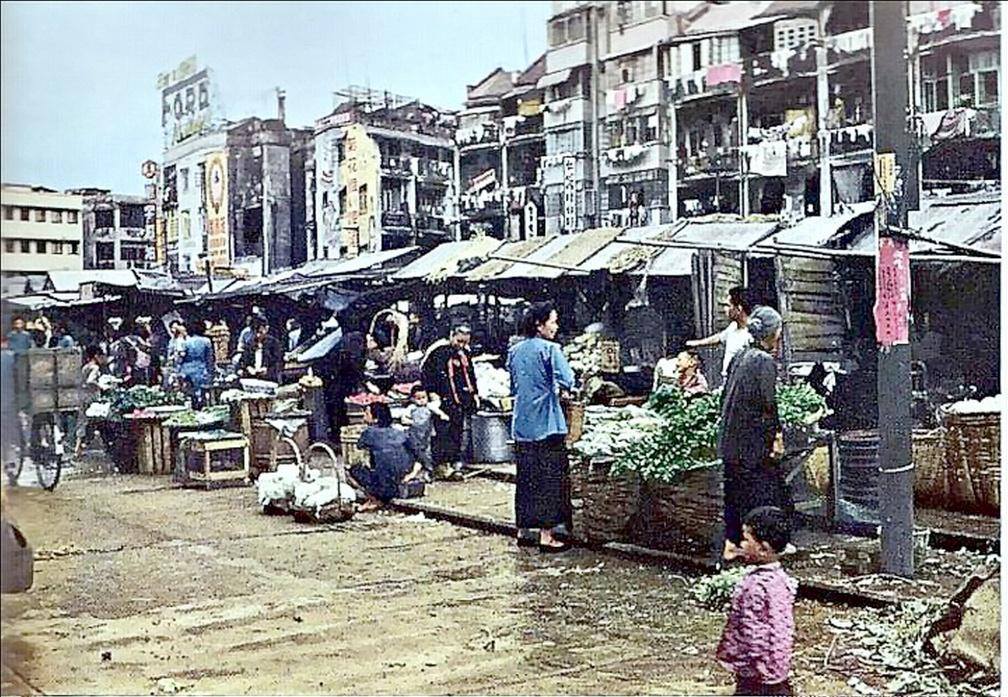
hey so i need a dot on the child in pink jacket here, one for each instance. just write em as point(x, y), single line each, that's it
point(759, 636)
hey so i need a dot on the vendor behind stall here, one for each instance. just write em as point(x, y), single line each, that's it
point(264, 358)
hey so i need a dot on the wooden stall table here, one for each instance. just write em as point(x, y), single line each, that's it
point(152, 439)
point(209, 459)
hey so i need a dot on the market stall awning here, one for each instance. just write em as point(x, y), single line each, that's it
point(41, 301)
point(972, 220)
point(817, 231)
point(511, 250)
point(71, 281)
point(624, 257)
point(444, 260)
point(561, 255)
point(372, 261)
point(726, 235)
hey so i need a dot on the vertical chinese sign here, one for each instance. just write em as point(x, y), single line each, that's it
point(892, 292)
point(218, 238)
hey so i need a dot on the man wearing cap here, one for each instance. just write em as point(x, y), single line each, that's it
point(447, 372)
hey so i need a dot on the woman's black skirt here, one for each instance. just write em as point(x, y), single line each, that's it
point(542, 486)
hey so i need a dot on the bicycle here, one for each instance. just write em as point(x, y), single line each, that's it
point(41, 442)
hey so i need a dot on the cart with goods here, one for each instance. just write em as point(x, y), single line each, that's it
point(46, 395)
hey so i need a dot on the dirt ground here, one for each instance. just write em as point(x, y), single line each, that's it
point(141, 588)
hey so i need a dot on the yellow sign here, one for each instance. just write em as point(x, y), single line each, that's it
point(360, 170)
point(216, 188)
point(885, 173)
point(529, 107)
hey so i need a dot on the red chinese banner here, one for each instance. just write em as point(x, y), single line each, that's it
point(892, 292)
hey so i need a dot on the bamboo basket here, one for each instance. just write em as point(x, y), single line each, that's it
point(336, 512)
point(931, 485)
point(685, 516)
point(574, 415)
point(607, 503)
point(972, 444)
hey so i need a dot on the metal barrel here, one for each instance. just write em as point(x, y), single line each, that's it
point(491, 434)
point(859, 468)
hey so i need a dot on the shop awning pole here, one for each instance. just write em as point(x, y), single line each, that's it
point(545, 264)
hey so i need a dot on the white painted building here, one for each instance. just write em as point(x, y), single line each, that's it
point(40, 229)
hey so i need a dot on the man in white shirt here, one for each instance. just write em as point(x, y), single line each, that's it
point(735, 336)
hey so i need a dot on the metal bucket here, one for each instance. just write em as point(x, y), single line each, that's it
point(491, 435)
point(859, 473)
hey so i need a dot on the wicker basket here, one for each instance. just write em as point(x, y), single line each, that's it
point(574, 415)
point(607, 503)
point(972, 444)
point(931, 484)
point(352, 455)
point(685, 516)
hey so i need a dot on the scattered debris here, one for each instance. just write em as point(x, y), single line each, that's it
point(167, 686)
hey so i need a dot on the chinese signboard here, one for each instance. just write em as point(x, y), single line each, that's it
point(217, 209)
point(892, 292)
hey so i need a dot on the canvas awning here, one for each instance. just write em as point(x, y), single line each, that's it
point(561, 255)
point(444, 259)
point(553, 79)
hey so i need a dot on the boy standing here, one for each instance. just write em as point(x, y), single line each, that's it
point(759, 636)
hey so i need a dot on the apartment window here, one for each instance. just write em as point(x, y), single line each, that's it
point(105, 251)
point(184, 176)
point(558, 32)
point(25, 213)
point(104, 218)
point(575, 28)
point(696, 56)
point(652, 8)
point(987, 82)
point(23, 244)
point(41, 247)
point(725, 49)
point(72, 217)
point(57, 247)
point(55, 216)
point(794, 33)
point(40, 215)
point(131, 215)
point(8, 212)
point(8, 246)
point(74, 247)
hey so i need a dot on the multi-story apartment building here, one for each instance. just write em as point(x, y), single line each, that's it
point(118, 230)
point(500, 142)
point(40, 229)
point(235, 197)
point(386, 174)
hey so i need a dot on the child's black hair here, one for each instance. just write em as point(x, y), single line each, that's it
point(381, 413)
point(770, 524)
point(417, 389)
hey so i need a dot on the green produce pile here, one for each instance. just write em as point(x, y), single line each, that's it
point(686, 438)
point(610, 431)
point(715, 592)
point(205, 417)
point(138, 398)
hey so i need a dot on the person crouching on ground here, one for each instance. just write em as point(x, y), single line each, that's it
point(758, 637)
point(392, 458)
point(420, 422)
point(539, 371)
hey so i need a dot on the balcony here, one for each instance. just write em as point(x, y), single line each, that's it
point(769, 67)
point(484, 204)
point(850, 140)
point(434, 172)
point(486, 134)
point(396, 219)
point(565, 112)
point(849, 47)
point(633, 158)
point(640, 95)
point(556, 169)
point(713, 81)
point(396, 167)
point(567, 57)
point(980, 122)
point(718, 162)
point(431, 221)
point(522, 126)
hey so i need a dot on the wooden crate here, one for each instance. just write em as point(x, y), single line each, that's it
point(244, 412)
point(153, 445)
point(269, 448)
point(206, 461)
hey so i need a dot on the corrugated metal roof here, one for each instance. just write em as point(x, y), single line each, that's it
point(736, 236)
point(816, 231)
point(447, 256)
point(729, 17)
point(972, 220)
point(71, 281)
point(614, 250)
point(335, 267)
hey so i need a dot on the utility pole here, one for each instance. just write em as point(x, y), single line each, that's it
point(894, 177)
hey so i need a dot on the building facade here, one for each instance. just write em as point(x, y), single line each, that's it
point(41, 230)
point(235, 197)
point(386, 175)
point(501, 144)
point(118, 230)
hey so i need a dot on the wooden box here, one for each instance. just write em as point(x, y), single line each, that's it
point(352, 455)
point(244, 412)
point(215, 458)
point(50, 377)
point(269, 448)
point(153, 445)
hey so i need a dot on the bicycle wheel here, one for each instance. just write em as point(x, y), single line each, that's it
point(15, 457)
point(48, 460)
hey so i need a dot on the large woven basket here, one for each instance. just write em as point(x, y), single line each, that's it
point(685, 516)
point(604, 505)
point(972, 444)
point(931, 482)
point(574, 415)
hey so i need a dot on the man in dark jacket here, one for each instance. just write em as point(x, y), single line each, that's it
point(447, 372)
point(264, 359)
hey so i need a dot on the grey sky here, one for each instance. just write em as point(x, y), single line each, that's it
point(79, 106)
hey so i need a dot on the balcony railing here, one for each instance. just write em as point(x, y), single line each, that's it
point(713, 80)
point(725, 162)
point(486, 134)
point(779, 65)
point(396, 219)
point(434, 171)
point(850, 139)
point(397, 166)
point(429, 222)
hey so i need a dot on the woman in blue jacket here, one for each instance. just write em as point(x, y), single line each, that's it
point(539, 372)
point(197, 365)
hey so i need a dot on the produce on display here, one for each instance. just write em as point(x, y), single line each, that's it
point(204, 417)
point(139, 399)
point(682, 432)
point(362, 399)
point(610, 431)
point(491, 381)
point(986, 405)
point(584, 354)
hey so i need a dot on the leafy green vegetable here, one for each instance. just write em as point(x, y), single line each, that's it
point(139, 397)
point(715, 591)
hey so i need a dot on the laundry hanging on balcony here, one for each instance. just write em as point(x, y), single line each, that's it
point(960, 16)
point(768, 159)
point(954, 123)
point(728, 72)
point(851, 41)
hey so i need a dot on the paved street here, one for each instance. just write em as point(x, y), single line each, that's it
point(141, 588)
